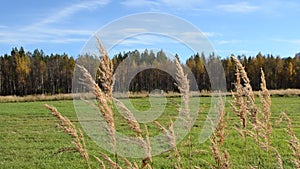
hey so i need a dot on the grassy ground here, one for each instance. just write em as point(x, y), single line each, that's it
point(29, 137)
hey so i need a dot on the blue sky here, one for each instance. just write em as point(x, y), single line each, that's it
point(238, 27)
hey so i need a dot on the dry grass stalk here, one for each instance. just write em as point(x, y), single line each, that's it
point(104, 103)
point(130, 119)
point(294, 142)
point(261, 126)
point(103, 94)
point(218, 138)
point(184, 113)
point(171, 139)
point(129, 165)
point(278, 157)
point(68, 127)
point(239, 108)
point(247, 91)
point(146, 162)
point(184, 88)
point(135, 127)
point(238, 105)
point(105, 71)
point(222, 123)
point(100, 162)
point(265, 100)
point(104, 97)
point(111, 163)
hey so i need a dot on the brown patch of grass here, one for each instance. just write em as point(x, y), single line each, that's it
point(32, 98)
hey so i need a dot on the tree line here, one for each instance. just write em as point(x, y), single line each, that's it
point(280, 73)
point(24, 73)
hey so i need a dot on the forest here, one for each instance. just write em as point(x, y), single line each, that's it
point(29, 73)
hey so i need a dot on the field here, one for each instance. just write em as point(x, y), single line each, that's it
point(30, 138)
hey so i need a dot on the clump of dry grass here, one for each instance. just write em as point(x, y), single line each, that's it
point(130, 119)
point(294, 142)
point(254, 120)
point(104, 105)
point(239, 103)
point(67, 126)
point(184, 88)
point(183, 85)
point(221, 157)
point(259, 117)
point(135, 127)
point(104, 98)
point(184, 114)
point(171, 140)
point(105, 71)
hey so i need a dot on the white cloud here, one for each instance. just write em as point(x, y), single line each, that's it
point(147, 39)
point(292, 41)
point(162, 4)
point(224, 42)
point(240, 7)
point(228, 52)
point(70, 10)
point(211, 34)
point(59, 32)
point(139, 3)
point(10, 36)
point(197, 38)
point(43, 31)
point(186, 4)
point(187, 35)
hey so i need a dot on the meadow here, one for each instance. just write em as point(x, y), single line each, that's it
point(247, 130)
point(30, 137)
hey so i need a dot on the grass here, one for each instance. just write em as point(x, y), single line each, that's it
point(29, 137)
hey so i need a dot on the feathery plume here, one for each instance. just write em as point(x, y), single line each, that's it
point(105, 71)
point(67, 126)
point(218, 138)
point(294, 142)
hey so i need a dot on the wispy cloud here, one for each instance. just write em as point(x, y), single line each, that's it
point(228, 52)
point(225, 42)
point(292, 41)
point(146, 39)
point(185, 4)
point(240, 7)
point(70, 10)
point(139, 3)
point(162, 4)
point(211, 34)
point(197, 34)
point(54, 36)
point(43, 31)
point(3, 26)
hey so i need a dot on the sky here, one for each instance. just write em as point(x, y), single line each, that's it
point(230, 26)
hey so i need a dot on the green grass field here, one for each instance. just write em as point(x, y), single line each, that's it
point(30, 138)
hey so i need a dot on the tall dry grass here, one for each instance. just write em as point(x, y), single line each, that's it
point(294, 142)
point(222, 157)
point(254, 122)
point(67, 126)
point(255, 116)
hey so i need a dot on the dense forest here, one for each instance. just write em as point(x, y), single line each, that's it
point(24, 73)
